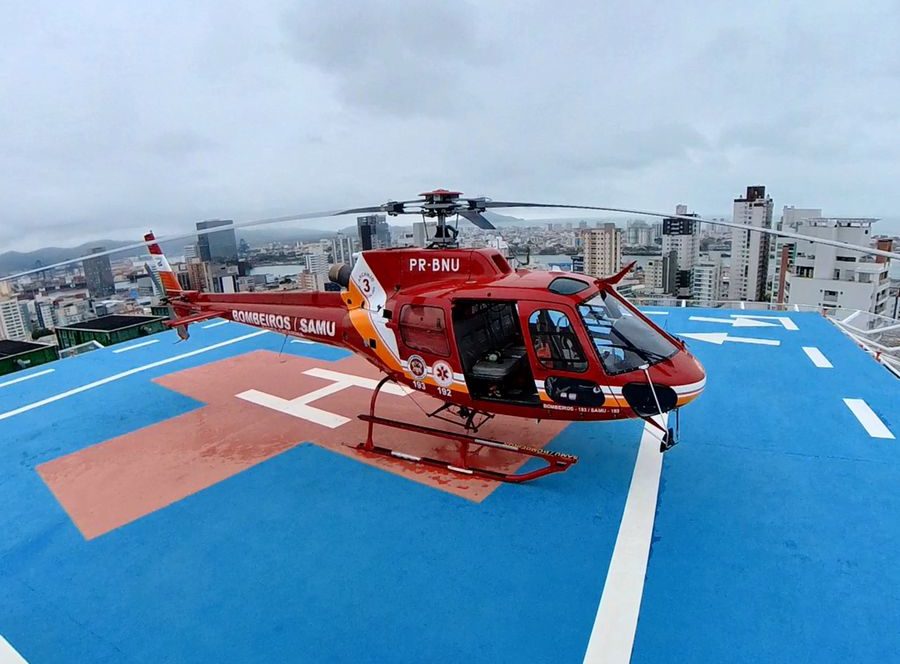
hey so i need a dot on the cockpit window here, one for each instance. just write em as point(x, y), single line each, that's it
point(624, 341)
point(555, 342)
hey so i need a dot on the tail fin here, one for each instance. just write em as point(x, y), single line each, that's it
point(161, 265)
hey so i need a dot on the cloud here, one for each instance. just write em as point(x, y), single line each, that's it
point(118, 116)
point(388, 57)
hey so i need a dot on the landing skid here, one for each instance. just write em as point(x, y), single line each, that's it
point(556, 462)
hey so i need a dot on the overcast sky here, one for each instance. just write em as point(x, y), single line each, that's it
point(119, 116)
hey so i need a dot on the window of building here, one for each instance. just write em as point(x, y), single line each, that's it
point(423, 328)
point(555, 342)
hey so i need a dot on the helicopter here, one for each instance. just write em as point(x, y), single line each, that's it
point(481, 337)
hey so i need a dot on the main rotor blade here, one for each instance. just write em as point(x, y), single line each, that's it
point(478, 219)
point(195, 233)
point(667, 215)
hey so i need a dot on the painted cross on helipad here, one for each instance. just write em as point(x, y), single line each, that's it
point(258, 406)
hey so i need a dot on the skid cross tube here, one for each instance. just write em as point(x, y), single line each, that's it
point(557, 462)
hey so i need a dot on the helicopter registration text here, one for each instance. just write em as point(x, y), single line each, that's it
point(434, 264)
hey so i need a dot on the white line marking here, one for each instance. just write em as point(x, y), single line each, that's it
point(216, 324)
point(612, 637)
point(818, 358)
point(302, 341)
point(8, 654)
point(28, 377)
point(786, 321)
point(742, 321)
point(655, 313)
point(867, 417)
point(133, 346)
point(720, 338)
point(124, 374)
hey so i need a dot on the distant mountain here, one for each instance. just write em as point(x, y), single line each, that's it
point(16, 261)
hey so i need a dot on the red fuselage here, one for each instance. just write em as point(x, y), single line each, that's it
point(463, 326)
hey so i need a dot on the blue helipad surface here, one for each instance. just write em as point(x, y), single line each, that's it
point(776, 534)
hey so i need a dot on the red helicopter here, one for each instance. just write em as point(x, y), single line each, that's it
point(465, 327)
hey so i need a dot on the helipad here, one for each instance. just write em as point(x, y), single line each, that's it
point(196, 502)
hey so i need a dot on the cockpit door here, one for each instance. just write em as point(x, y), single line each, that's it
point(560, 361)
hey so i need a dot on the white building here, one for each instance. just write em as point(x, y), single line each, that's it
point(834, 278)
point(602, 250)
point(12, 325)
point(706, 281)
point(317, 263)
point(653, 275)
point(749, 268)
point(790, 218)
point(342, 249)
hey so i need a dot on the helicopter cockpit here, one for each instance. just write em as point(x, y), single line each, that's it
point(624, 342)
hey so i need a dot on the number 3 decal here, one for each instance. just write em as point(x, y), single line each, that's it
point(366, 285)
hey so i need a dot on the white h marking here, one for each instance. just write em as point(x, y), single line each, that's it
point(299, 406)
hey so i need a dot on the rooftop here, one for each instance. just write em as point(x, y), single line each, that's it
point(8, 347)
point(111, 323)
point(169, 502)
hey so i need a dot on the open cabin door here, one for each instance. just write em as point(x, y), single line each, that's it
point(492, 351)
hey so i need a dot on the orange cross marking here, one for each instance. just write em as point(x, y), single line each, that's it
point(113, 483)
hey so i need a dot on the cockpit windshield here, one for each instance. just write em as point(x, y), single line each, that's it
point(624, 342)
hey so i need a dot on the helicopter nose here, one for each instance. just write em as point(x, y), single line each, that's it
point(692, 378)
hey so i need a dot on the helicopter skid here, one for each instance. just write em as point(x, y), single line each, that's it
point(556, 462)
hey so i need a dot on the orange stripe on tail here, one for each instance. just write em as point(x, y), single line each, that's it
point(166, 275)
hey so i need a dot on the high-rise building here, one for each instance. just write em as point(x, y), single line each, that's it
point(829, 277)
point(99, 276)
point(317, 263)
point(196, 275)
point(12, 325)
point(43, 311)
point(374, 231)
point(654, 271)
point(342, 249)
point(750, 250)
point(218, 246)
point(602, 250)
point(681, 244)
point(190, 251)
point(706, 281)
